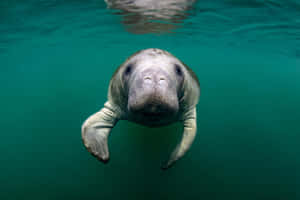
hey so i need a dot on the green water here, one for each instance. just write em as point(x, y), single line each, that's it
point(56, 60)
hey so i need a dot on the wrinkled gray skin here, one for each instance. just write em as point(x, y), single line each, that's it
point(152, 88)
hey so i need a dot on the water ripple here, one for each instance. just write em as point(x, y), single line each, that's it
point(230, 21)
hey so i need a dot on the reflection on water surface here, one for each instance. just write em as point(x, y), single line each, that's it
point(151, 16)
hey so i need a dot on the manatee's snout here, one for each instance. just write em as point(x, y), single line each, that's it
point(153, 93)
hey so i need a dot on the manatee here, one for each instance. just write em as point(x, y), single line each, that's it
point(152, 88)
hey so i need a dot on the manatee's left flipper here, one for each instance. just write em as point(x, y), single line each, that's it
point(189, 133)
point(95, 131)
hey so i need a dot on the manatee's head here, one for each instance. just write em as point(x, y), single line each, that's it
point(152, 80)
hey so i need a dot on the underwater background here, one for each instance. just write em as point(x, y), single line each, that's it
point(56, 60)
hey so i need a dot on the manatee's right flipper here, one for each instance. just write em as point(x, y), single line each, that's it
point(95, 131)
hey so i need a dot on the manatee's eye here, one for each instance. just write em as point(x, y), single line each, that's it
point(178, 70)
point(128, 69)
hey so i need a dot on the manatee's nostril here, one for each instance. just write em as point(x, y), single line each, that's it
point(147, 79)
point(162, 80)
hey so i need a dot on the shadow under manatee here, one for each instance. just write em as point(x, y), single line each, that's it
point(149, 147)
point(151, 16)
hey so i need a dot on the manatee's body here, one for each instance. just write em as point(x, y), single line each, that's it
point(153, 88)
